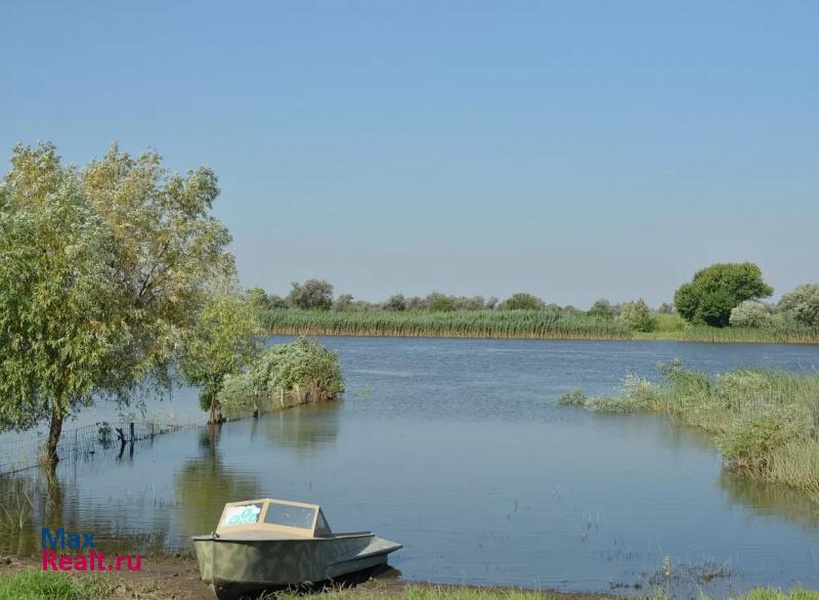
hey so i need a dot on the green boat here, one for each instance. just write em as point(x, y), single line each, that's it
point(268, 544)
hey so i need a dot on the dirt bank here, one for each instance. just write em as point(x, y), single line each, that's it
point(177, 578)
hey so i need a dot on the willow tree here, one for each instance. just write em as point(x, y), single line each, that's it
point(135, 249)
point(61, 318)
point(222, 343)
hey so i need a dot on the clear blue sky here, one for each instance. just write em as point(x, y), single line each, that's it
point(573, 149)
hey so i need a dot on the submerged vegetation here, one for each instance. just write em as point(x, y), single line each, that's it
point(285, 375)
point(765, 423)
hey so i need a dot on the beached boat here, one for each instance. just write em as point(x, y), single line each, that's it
point(269, 544)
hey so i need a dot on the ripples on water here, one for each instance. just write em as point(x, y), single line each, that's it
point(457, 449)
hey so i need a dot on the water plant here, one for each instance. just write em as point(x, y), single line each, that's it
point(764, 422)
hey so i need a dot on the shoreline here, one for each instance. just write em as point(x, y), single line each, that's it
point(658, 336)
point(176, 577)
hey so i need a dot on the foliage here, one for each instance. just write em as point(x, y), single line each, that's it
point(437, 302)
point(303, 369)
point(637, 316)
point(750, 313)
point(576, 397)
point(716, 290)
point(61, 320)
point(523, 301)
point(602, 308)
point(343, 302)
point(802, 304)
point(765, 423)
point(258, 299)
point(223, 341)
point(102, 273)
point(169, 248)
point(396, 302)
point(313, 294)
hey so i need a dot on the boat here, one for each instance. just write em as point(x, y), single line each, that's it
point(270, 544)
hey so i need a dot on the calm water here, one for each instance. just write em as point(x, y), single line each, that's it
point(457, 449)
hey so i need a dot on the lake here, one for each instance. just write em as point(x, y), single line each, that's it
point(458, 450)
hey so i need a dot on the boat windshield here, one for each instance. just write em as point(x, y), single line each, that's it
point(290, 515)
point(245, 514)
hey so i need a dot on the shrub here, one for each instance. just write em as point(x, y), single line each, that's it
point(637, 316)
point(802, 304)
point(750, 313)
point(286, 374)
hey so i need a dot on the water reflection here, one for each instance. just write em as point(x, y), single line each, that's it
point(771, 500)
point(310, 428)
point(46, 497)
point(203, 485)
point(469, 462)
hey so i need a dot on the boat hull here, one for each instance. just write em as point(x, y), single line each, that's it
point(229, 563)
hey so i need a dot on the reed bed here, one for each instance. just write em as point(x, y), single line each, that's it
point(513, 324)
point(764, 422)
point(518, 324)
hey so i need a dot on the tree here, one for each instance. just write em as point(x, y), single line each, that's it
point(314, 294)
point(395, 303)
point(802, 304)
point(523, 301)
point(61, 321)
point(343, 302)
point(162, 249)
point(438, 302)
point(638, 316)
point(714, 291)
point(258, 298)
point(169, 249)
point(601, 308)
point(222, 343)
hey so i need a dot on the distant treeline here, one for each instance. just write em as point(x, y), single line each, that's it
point(721, 303)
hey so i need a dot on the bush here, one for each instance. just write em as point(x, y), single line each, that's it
point(523, 301)
point(802, 304)
point(637, 316)
point(285, 375)
point(575, 397)
point(750, 313)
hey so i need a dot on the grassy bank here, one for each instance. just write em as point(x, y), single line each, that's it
point(32, 584)
point(765, 423)
point(511, 324)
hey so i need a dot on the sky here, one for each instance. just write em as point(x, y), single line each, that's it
point(572, 149)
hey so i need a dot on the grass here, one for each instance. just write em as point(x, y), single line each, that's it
point(764, 422)
point(460, 324)
point(31, 584)
point(415, 592)
point(512, 324)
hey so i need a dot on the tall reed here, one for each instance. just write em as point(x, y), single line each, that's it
point(765, 422)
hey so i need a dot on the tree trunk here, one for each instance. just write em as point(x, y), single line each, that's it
point(55, 430)
point(216, 417)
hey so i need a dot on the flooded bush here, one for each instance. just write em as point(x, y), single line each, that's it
point(285, 375)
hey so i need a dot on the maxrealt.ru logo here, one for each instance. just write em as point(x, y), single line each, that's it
point(87, 558)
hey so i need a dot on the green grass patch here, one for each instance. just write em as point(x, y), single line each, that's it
point(764, 422)
point(31, 584)
point(427, 592)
